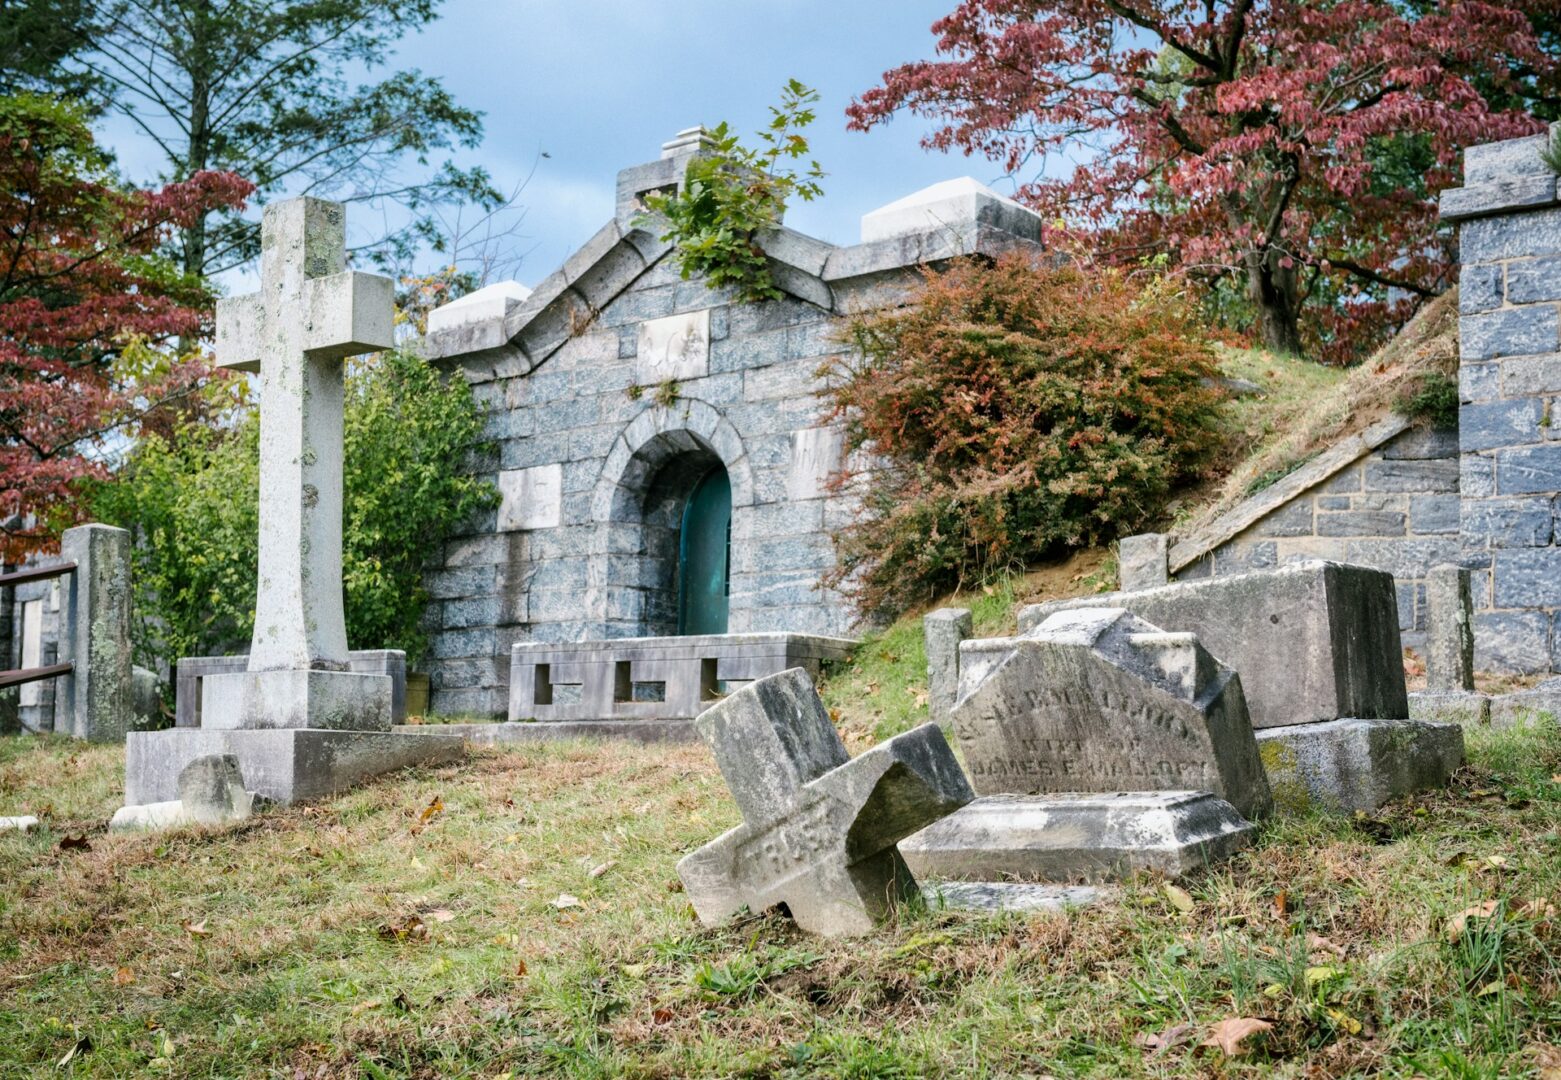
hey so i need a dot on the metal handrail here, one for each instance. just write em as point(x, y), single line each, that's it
point(26, 675)
point(36, 573)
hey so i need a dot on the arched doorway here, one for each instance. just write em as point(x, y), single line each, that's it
point(704, 555)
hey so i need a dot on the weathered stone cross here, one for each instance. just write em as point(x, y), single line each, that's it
point(309, 315)
point(819, 828)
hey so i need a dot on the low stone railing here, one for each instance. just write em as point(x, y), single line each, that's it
point(662, 678)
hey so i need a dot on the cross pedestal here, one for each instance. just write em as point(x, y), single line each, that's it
point(819, 828)
point(299, 722)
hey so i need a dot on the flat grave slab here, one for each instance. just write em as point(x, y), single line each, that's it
point(1350, 764)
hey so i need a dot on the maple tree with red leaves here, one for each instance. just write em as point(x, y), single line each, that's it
point(91, 314)
point(1287, 153)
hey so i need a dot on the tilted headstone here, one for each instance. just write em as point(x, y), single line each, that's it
point(942, 631)
point(1313, 642)
point(1098, 701)
point(1101, 747)
point(301, 724)
point(819, 828)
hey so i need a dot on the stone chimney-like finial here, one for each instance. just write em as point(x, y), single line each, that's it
point(688, 141)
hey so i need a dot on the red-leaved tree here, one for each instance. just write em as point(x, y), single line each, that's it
point(90, 313)
point(1293, 148)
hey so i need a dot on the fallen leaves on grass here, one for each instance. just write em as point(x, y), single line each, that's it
point(1158, 1042)
point(602, 868)
point(124, 977)
point(1180, 899)
point(82, 1046)
point(432, 810)
point(1238, 1035)
point(565, 902)
point(410, 929)
point(1460, 922)
point(196, 929)
point(441, 914)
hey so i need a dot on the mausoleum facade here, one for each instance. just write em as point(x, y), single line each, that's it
point(666, 463)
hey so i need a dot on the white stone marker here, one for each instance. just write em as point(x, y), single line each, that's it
point(310, 314)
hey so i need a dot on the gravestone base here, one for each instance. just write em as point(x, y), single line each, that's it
point(1349, 765)
point(1524, 708)
point(1074, 838)
point(1464, 707)
point(319, 700)
point(284, 765)
point(999, 896)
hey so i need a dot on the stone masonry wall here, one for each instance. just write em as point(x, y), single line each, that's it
point(1394, 509)
point(572, 554)
point(1510, 380)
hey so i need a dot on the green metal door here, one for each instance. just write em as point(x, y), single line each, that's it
point(704, 556)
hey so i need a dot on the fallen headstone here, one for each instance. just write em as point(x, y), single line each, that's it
point(211, 792)
point(819, 827)
point(1101, 746)
point(25, 823)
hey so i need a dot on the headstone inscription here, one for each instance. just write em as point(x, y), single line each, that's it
point(300, 723)
point(819, 828)
point(1101, 746)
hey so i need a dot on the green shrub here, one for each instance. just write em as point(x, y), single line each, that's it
point(190, 499)
point(1013, 410)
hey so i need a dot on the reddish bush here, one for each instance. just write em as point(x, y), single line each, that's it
point(1014, 410)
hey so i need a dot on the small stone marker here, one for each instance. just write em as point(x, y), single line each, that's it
point(1449, 629)
point(1098, 700)
point(943, 630)
point(819, 828)
point(26, 823)
point(212, 790)
point(96, 697)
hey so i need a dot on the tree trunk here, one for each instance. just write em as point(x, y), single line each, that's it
point(1275, 291)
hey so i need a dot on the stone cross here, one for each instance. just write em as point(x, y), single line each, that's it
point(310, 314)
point(819, 828)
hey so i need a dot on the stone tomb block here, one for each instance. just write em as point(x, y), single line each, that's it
point(819, 828)
point(1313, 642)
point(1099, 700)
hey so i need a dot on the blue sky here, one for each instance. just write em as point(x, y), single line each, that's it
point(600, 84)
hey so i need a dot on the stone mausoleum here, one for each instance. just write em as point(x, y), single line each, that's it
point(664, 457)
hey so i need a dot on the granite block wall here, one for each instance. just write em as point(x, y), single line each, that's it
point(1396, 508)
point(1509, 386)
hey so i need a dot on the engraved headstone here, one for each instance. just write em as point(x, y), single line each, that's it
point(1101, 746)
point(1098, 700)
point(819, 828)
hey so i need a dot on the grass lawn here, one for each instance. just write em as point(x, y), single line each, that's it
point(533, 926)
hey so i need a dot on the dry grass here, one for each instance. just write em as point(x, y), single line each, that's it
point(270, 948)
point(1309, 407)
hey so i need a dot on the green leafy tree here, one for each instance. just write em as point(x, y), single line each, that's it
point(191, 497)
point(733, 194)
point(265, 89)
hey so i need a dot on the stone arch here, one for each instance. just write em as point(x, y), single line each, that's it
point(636, 509)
